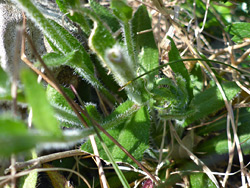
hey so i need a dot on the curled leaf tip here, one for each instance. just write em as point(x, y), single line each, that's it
point(115, 55)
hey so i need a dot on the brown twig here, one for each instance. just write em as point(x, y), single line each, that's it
point(207, 123)
point(244, 56)
point(222, 51)
point(47, 158)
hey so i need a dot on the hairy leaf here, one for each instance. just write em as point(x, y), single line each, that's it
point(67, 6)
point(115, 58)
point(74, 60)
point(65, 114)
point(211, 100)
point(64, 43)
point(144, 43)
point(134, 138)
point(121, 10)
point(63, 38)
point(179, 68)
point(120, 114)
point(105, 15)
point(30, 180)
point(219, 144)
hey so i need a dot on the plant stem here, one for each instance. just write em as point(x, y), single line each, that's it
point(129, 41)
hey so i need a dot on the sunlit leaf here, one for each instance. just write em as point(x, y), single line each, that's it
point(240, 31)
point(145, 43)
point(67, 6)
point(105, 15)
point(64, 38)
point(57, 37)
point(179, 68)
point(115, 58)
point(134, 139)
point(198, 180)
point(121, 10)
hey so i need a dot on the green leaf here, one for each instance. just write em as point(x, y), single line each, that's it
point(64, 43)
point(219, 144)
point(61, 39)
point(196, 79)
point(121, 10)
point(11, 126)
point(124, 13)
point(63, 111)
point(100, 38)
point(134, 138)
point(105, 15)
point(43, 115)
point(174, 95)
point(108, 81)
point(179, 68)
point(67, 6)
point(73, 45)
point(164, 93)
point(4, 83)
point(74, 60)
point(120, 114)
point(65, 114)
point(13, 136)
point(240, 31)
point(66, 117)
point(56, 98)
point(144, 43)
point(210, 101)
point(115, 58)
point(219, 125)
point(198, 180)
point(54, 59)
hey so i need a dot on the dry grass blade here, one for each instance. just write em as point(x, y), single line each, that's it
point(231, 147)
point(225, 50)
point(103, 180)
point(244, 56)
